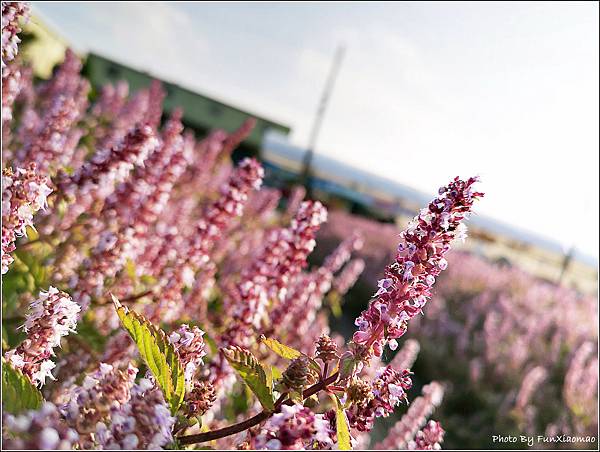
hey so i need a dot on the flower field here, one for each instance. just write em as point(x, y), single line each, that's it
point(155, 294)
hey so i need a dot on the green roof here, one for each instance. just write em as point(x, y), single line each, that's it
point(200, 112)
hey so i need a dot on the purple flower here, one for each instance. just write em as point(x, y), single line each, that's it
point(384, 285)
point(52, 315)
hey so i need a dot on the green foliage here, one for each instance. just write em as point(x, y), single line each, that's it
point(341, 425)
point(27, 274)
point(252, 373)
point(158, 353)
point(18, 394)
point(282, 350)
point(87, 331)
point(277, 374)
point(288, 352)
point(335, 304)
point(130, 270)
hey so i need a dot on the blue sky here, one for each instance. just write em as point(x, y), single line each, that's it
point(427, 91)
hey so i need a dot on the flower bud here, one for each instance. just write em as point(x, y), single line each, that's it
point(199, 400)
point(359, 392)
point(296, 375)
point(326, 349)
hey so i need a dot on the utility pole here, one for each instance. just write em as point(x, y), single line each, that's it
point(308, 156)
point(566, 262)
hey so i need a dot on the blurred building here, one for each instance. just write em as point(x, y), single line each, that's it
point(44, 49)
point(200, 113)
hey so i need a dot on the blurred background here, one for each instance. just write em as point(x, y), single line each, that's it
point(371, 107)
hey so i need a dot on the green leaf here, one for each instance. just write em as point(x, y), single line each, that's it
point(31, 233)
point(277, 374)
point(268, 375)
point(148, 280)
point(341, 425)
point(88, 331)
point(335, 303)
point(252, 372)
point(288, 352)
point(282, 350)
point(130, 270)
point(18, 394)
point(158, 353)
point(212, 344)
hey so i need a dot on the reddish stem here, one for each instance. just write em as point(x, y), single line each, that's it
point(255, 420)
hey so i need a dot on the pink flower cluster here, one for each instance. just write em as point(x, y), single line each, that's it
point(283, 256)
point(189, 346)
point(388, 389)
point(295, 427)
point(100, 392)
point(52, 315)
point(12, 13)
point(408, 280)
point(430, 438)
point(144, 422)
point(403, 432)
point(348, 276)
point(24, 192)
point(41, 429)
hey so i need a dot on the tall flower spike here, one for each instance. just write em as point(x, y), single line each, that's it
point(407, 284)
point(47, 147)
point(342, 253)
point(24, 192)
point(52, 315)
point(283, 256)
point(348, 276)
point(234, 195)
point(66, 81)
point(12, 13)
point(430, 438)
point(419, 410)
point(96, 179)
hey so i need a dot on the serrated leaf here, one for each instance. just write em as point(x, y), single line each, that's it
point(282, 350)
point(277, 374)
point(252, 373)
point(158, 353)
point(288, 352)
point(341, 425)
point(268, 374)
point(18, 393)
